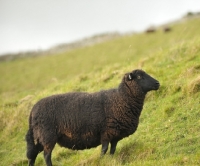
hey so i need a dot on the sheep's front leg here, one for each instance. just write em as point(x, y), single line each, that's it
point(113, 147)
point(104, 147)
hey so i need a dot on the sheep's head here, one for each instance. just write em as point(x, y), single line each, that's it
point(143, 81)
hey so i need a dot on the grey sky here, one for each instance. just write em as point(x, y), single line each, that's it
point(39, 24)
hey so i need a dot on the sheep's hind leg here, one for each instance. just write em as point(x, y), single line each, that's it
point(104, 147)
point(113, 147)
point(33, 154)
point(47, 154)
point(33, 148)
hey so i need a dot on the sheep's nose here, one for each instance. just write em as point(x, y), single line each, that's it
point(157, 85)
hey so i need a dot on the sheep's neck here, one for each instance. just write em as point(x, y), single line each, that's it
point(135, 100)
point(132, 98)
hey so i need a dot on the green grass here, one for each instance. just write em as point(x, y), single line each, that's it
point(168, 133)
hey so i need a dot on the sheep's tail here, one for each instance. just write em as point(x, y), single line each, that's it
point(33, 148)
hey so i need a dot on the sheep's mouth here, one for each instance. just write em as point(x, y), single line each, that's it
point(156, 87)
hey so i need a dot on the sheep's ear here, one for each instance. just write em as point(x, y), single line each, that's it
point(130, 76)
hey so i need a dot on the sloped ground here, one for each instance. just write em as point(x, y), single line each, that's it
point(168, 133)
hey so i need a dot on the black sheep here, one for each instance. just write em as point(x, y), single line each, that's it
point(80, 120)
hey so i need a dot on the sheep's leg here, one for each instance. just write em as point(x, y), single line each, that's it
point(32, 153)
point(104, 147)
point(32, 148)
point(31, 162)
point(113, 147)
point(47, 154)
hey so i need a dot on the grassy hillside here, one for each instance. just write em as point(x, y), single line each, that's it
point(169, 129)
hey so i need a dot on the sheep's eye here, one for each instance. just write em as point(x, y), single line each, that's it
point(139, 77)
